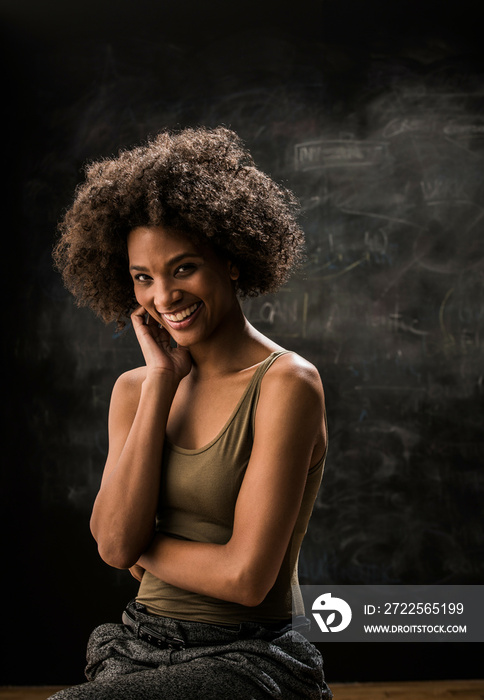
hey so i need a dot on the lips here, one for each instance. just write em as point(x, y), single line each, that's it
point(180, 319)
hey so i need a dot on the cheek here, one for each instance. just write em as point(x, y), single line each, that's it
point(141, 296)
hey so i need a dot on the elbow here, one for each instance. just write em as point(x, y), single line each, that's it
point(251, 589)
point(116, 557)
point(113, 551)
point(248, 579)
point(251, 598)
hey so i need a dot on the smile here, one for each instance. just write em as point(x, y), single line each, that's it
point(183, 314)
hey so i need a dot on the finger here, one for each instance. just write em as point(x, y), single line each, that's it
point(151, 320)
point(138, 317)
point(153, 324)
point(162, 336)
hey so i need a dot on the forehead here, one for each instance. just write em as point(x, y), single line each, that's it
point(159, 241)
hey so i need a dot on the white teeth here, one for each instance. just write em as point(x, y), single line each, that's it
point(182, 314)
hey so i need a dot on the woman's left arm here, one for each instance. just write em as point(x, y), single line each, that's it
point(289, 435)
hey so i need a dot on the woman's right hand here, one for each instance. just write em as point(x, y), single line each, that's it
point(154, 341)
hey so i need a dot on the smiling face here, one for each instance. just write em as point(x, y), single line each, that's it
point(189, 290)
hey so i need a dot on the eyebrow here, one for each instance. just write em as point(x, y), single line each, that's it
point(172, 261)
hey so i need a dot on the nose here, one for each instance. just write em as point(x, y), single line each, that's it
point(166, 294)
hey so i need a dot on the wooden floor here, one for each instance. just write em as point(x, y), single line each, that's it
point(426, 690)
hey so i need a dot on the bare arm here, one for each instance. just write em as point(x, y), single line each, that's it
point(289, 436)
point(123, 516)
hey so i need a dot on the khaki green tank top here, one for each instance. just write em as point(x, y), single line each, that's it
point(198, 494)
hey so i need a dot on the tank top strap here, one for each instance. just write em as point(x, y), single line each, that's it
point(264, 366)
point(251, 397)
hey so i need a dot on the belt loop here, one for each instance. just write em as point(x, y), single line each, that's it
point(130, 622)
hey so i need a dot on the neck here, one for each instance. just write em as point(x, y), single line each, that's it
point(235, 345)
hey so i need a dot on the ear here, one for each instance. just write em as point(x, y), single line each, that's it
point(233, 271)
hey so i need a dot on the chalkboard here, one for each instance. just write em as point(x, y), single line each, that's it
point(384, 146)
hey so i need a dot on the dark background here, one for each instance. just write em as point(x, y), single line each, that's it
point(372, 113)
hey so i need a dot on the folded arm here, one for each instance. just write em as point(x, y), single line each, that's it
point(289, 437)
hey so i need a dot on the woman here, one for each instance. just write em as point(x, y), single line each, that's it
point(217, 444)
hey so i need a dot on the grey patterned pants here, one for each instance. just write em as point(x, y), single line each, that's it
point(206, 662)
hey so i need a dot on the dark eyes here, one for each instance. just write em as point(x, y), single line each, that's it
point(181, 270)
point(184, 269)
point(141, 277)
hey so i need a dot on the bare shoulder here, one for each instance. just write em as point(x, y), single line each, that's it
point(294, 370)
point(291, 378)
point(127, 388)
point(292, 408)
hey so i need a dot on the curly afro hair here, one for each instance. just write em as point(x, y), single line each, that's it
point(201, 182)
